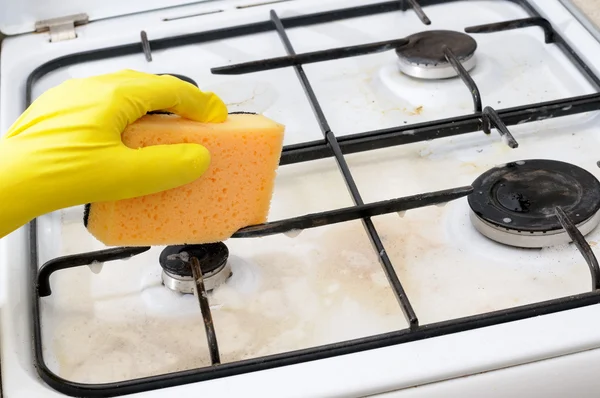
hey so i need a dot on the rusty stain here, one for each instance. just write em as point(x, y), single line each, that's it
point(414, 112)
point(239, 103)
point(470, 166)
point(252, 98)
point(395, 109)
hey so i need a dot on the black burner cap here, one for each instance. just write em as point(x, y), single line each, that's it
point(211, 256)
point(426, 48)
point(521, 196)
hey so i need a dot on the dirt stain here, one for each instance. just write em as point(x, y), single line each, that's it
point(417, 111)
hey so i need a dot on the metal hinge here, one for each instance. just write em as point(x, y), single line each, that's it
point(62, 28)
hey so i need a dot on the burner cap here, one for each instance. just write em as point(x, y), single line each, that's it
point(211, 257)
point(514, 203)
point(423, 57)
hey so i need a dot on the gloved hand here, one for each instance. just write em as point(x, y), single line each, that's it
point(66, 149)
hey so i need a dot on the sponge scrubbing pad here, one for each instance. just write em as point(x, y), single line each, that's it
point(233, 193)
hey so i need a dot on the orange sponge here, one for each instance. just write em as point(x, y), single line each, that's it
point(235, 191)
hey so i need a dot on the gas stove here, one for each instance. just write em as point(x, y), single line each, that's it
point(434, 217)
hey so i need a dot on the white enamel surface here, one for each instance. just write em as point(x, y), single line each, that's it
point(20, 16)
point(323, 285)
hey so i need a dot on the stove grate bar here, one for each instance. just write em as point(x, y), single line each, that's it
point(352, 213)
point(320, 56)
point(146, 46)
point(276, 227)
point(582, 245)
point(550, 36)
point(465, 77)
point(309, 58)
point(384, 260)
point(491, 118)
point(516, 24)
point(77, 260)
point(202, 297)
point(418, 10)
point(441, 128)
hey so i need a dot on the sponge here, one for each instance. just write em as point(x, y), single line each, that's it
point(233, 193)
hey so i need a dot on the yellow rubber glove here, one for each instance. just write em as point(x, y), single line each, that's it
point(66, 149)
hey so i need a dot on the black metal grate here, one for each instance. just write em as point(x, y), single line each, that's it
point(482, 119)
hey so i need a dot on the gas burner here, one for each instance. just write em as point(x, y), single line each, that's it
point(515, 203)
point(177, 274)
point(423, 57)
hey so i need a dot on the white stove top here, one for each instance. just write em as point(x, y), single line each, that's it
point(117, 322)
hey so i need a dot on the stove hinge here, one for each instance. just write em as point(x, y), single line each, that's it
point(62, 28)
